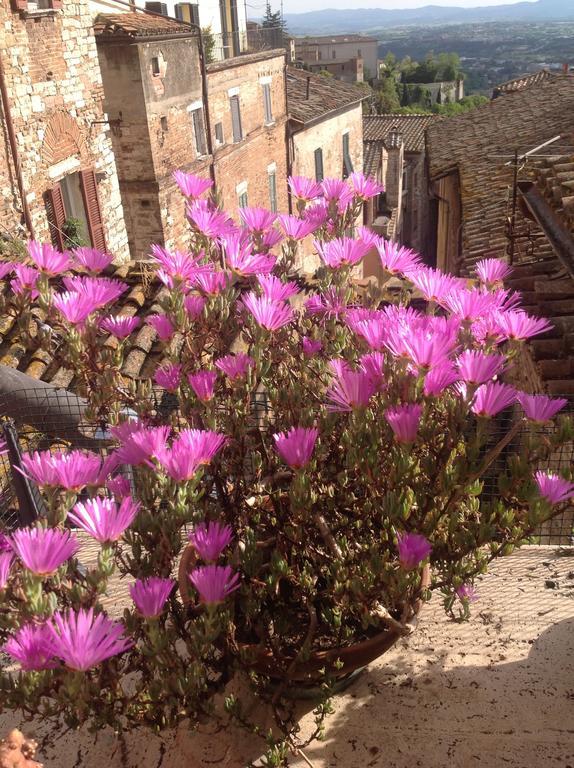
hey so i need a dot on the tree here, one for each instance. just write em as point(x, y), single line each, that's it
point(386, 96)
point(273, 27)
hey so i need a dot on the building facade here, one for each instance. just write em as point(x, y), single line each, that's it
point(338, 51)
point(58, 175)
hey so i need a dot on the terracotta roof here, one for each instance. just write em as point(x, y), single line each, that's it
point(411, 127)
point(555, 180)
point(477, 144)
point(371, 158)
point(331, 39)
point(311, 97)
point(246, 58)
point(137, 25)
point(522, 82)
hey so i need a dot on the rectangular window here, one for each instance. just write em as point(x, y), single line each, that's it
point(334, 54)
point(319, 164)
point(359, 53)
point(219, 133)
point(242, 200)
point(199, 131)
point(347, 162)
point(267, 105)
point(155, 66)
point(272, 178)
point(236, 118)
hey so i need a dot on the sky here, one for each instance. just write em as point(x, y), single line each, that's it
point(300, 6)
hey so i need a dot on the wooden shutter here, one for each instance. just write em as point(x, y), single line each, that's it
point(20, 5)
point(347, 162)
point(56, 212)
point(267, 105)
point(272, 191)
point(93, 212)
point(236, 118)
point(319, 164)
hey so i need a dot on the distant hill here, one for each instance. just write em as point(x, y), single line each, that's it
point(331, 21)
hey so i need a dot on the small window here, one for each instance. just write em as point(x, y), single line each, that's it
point(199, 131)
point(236, 118)
point(267, 105)
point(334, 54)
point(163, 122)
point(242, 200)
point(347, 162)
point(155, 66)
point(319, 164)
point(219, 133)
point(359, 53)
point(320, 56)
point(272, 178)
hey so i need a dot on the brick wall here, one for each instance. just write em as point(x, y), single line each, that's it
point(55, 92)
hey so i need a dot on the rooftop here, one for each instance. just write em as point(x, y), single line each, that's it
point(245, 58)
point(522, 82)
point(312, 97)
point(332, 39)
point(411, 127)
point(135, 25)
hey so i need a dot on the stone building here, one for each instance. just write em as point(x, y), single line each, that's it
point(248, 116)
point(154, 100)
point(332, 53)
point(57, 162)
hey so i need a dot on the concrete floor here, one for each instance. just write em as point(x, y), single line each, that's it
point(496, 692)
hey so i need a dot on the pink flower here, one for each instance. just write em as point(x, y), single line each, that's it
point(168, 376)
point(47, 258)
point(477, 368)
point(74, 306)
point(162, 326)
point(99, 290)
point(427, 349)
point(317, 215)
point(210, 540)
point(212, 283)
point(374, 366)
point(91, 259)
point(269, 240)
point(516, 324)
point(466, 592)
point(241, 259)
point(303, 188)
point(120, 326)
point(209, 221)
point(177, 269)
point(83, 640)
point(257, 219)
point(337, 191)
point(296, 446)
point(190, 185)
point(311, 346)
point(275, 289)
point(368, 236)
point(25, 280)
point(140, 443)
point(44, 550)
point(194, 305)
point(214, 582)
point(150, 595)
point(201, 444)
point(72, 470)
point(539, 408)
point(554, 488)
point(491, 398)
point(491, 271)
point(203, 384)
point(399, 260)
point(439, 378)
point(6, 268)
point(364, 186)
point(103, 519)
point(119, 486)
point(341, 251)
point(374, 330)
point(433, 284)
point(413, 550)
point(269, 314)
point(404, 421)
point(350, 390)
point(235, 366)
point(295, 228)
point(32, 646)
point(6, 558)
point(330, 304)
point(469, 304)
point(486, 330)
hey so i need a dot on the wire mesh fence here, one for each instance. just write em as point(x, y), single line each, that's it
point(34, 421)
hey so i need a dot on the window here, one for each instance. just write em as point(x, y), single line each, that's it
point(359, 53)
point(155, 66)
point(242, 199)
point(319, 164)
point(236, 118)
point(163, 122)
point(272, 179)
point(334, 53)
point(219, 133)
point(347, 162)
point(320, 56)
point(75, 197)
point(199, 131)
point(267, 105)
point(35, 5)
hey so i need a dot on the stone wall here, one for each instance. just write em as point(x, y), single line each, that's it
point(55, 92)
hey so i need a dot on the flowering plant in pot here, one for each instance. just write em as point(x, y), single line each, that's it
point(314, 472)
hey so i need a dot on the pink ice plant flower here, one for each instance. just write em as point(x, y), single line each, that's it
point(296, 446)
point(491, 271)
point(25, 280)
point(72, 470)
point(6, 268)
point(6, 558)
point(257, 219)
point(210, 539)
point(212, 283)
point(214, 583)
point(275, 289)
point(368, 236)
point(363, 186)
point(209, 221)
point(269, 314)
point(150, 595)
point(433, 284)
point(189, 451)
point(440, 378)
point(467, 592)
point(168, 376)
point(426, 348)
point(516, 324)
point(554, 488)
point(141, 444)
point(178, 268)
point(119, 486)
point(120, 326)
point(404, 421)
point(304, 189)
point(191, 185)
point(74, 306)
point(91, 259)
point(397, 259)
point(336, 190)
point(194, 305)
point(44, 550)
point(32, 646)
point(99, 290)
point(469, 304)
point(162, 325)
point(47, 258)
point(330, 304)
point(203, 384)
point(295, 228)
point(374, 366)
point(341, 251)
point(413, 550)
point(351, 390)
point(103, 519)
point(539, 408)
point(476, 367)
point(311, 346)
point(491, 398)
point(83, 640)
point(241, 258)
point(235, 366)
point(317, 215)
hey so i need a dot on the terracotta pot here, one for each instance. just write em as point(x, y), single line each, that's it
point(336, 662)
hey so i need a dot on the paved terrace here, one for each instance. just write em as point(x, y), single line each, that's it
point(494, 692)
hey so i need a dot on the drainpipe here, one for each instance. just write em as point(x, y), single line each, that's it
point(288, 138)
point(14, 148)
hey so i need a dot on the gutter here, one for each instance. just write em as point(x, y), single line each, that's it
point(324, 116)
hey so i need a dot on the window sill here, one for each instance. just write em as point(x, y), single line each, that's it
point(269, 125)
point(39, 13)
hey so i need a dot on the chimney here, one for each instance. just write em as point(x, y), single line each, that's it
point(394, 167)
point(565, 67)
point(308, 87)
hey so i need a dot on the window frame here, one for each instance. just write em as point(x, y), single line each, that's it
point(267, 104)
point(319, 167)
point(200, 139)
point(347, 160)
point(237, 136)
